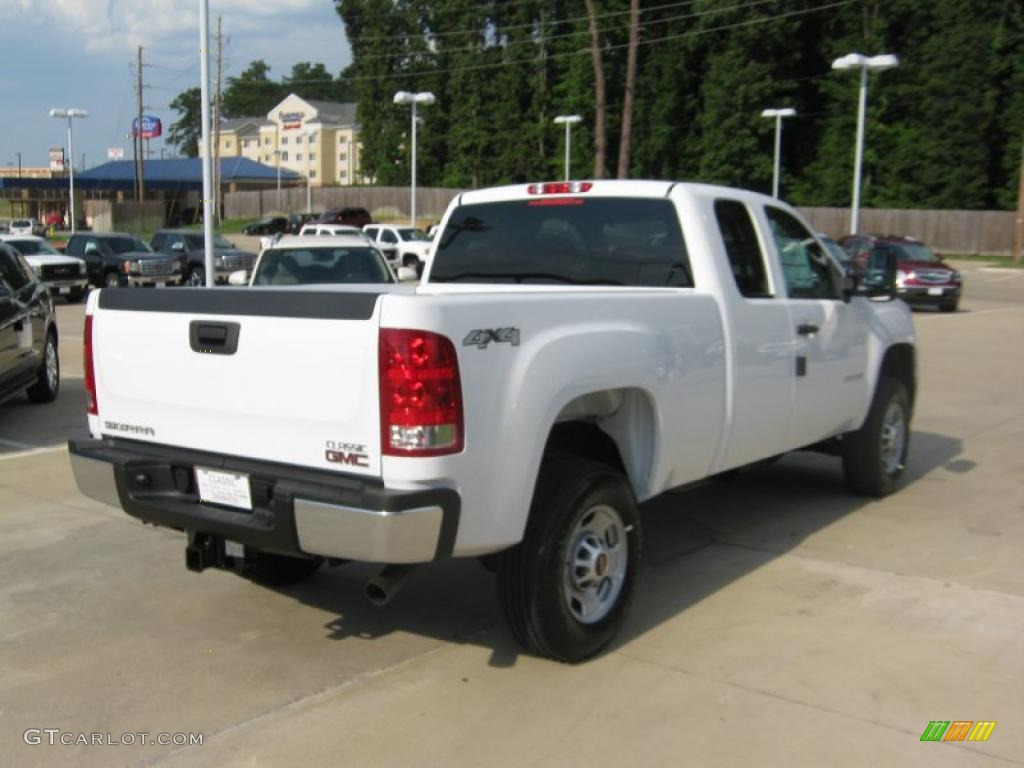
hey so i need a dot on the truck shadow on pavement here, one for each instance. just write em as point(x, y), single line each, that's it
point(25, 425)
point(765, 511)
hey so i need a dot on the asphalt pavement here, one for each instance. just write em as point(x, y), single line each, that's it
point(779, 620)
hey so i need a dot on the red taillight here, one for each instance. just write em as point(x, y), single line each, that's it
point(420, 394)
point(90, 373)
point(559, 188)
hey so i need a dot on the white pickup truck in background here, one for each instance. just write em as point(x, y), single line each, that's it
point(573, 349)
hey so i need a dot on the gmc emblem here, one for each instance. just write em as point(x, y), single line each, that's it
point(347, 457)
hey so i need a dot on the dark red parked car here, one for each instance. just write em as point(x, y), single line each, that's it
point(355, 217)
point(922, 276)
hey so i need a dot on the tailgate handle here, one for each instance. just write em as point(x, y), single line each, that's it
point(213, 338)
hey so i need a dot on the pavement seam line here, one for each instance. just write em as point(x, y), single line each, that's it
point(798, 702)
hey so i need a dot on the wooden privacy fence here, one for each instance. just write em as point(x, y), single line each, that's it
point(946, 231)
point(430, 201)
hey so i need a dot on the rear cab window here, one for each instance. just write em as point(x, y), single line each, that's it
point(746, 259)
point(566, 240)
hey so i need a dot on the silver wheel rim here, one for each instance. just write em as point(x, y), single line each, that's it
point(595, 561)
point(196, 278)
point(52, 369)
point(894, 438)
point(112, 281)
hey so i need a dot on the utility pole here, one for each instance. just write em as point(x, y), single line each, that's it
point(138, 132)
point(216, 133)
point(1018, 224)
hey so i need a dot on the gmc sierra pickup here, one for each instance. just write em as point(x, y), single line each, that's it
point(574, 348)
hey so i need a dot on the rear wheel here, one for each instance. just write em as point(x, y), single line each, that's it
point(48, 379)
point(278, 570)
point(950, 307)
point(874, 456)
point(567, 586)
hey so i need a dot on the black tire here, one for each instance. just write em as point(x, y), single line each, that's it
point(74, 297)
point(111, 280)
point(48, 379)
point(279, 570)
point(535, 580)
point(950, 307)
point(875, 455)
point(196, 277)
point(410, 260)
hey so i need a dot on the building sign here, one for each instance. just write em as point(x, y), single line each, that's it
point(291, 120)
point(151, 127)
point(56, 158)
point(115, 153)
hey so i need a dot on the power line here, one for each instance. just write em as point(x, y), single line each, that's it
point(606, 30)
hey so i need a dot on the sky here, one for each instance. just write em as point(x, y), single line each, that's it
point(81, 54)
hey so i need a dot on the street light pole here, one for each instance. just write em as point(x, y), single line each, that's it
point(569, 121)
point(426, 98)
point(204, 99)
point(277, 161)
point(309, 190)
point(778, 114)
point(69, 115)
point(19, 163)
point(864, 63)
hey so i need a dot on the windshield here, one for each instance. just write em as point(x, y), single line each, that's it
point(326, 265)
point(33, 247)
point(127, 244)
point(910, 251)
point(21, 223)
point(409, 234)
point(564, 240)
point(195, 242)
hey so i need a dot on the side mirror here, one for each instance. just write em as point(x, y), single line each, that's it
point(407, 273)
point(878, 279)
point(239, 277)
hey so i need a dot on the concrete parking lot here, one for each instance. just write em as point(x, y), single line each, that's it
point(779, 621)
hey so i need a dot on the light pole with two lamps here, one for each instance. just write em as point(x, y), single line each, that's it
point(568, 121)
point(877, 63)
point(69, 115)
point(426, 98)
point(778, 114)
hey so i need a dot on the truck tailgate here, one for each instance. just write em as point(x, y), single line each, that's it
point(300, 386)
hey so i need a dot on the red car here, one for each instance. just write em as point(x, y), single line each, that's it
point(922, 277)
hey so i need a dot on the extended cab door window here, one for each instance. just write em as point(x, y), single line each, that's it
point(806, 268)
point(743, 249)
point(387, 236)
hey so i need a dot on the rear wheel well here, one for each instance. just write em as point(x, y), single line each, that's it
point(586, 440)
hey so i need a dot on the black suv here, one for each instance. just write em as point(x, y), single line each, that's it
point(187, 244)
point(115, 259)
point(28, 332)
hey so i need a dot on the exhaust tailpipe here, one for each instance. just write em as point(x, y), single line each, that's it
point(385, 585)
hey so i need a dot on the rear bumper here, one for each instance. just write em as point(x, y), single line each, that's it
point(295, 511)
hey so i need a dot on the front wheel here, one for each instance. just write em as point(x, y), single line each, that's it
point(48, 379)
point(567, 586)
point(111, 280)
point(875, 455)
point(196, 277)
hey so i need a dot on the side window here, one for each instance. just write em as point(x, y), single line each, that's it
point(387, 236)
point(807, 269)
point(74, 247)
point(371, 232)
point(11, 271)
point(92, 246)
point(742, 248)
point(157, 243)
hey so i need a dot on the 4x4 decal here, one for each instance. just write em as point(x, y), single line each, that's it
point(480, 338)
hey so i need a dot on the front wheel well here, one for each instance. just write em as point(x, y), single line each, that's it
point(899, 363)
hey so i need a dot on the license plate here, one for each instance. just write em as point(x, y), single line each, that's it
point(64, 289)
point(228, 488)
point(161, 284)
point(934, 291)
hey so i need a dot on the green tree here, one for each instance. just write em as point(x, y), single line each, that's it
point(185, 132)
point(252, 93)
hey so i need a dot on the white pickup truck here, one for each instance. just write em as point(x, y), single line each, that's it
point(573, 349)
